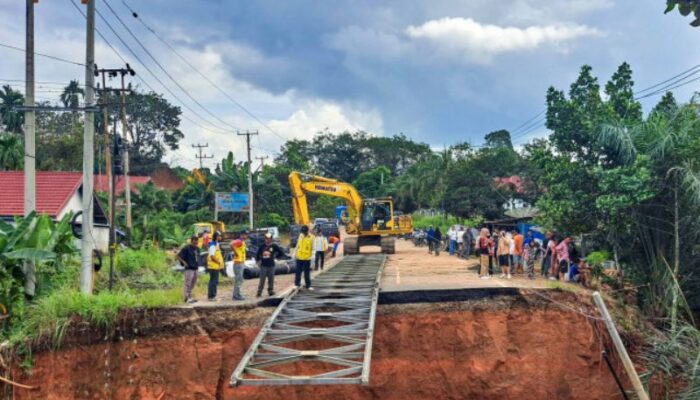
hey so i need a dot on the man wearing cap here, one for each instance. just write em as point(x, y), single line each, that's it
point(188, 259)
point(239, 249)
point(266, 257)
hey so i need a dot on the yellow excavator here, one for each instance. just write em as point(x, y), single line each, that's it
point(370, 222)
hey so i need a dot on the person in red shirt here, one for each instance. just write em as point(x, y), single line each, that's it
point(335, 241)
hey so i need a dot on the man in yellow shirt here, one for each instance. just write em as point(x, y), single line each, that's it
point(215, 263)
point(240, 250)
point(304, 252)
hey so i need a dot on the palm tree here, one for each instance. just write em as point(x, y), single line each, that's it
point(671, 143)
point(71, 94)
point(9, 117)
point(11, 152)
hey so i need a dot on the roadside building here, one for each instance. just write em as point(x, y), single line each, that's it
point(57, 194)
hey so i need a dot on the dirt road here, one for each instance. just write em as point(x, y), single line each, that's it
point(412, 268)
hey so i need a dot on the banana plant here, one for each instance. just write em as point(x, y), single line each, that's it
point(33, 239)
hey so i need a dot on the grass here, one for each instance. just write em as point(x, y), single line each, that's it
point(144, 279)
point(51, 316)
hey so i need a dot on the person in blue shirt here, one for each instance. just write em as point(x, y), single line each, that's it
point(528, 239)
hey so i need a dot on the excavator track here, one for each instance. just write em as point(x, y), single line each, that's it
point(388, 244)
point(350, 246)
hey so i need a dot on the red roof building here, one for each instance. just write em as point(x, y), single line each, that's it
point(102, 183)
point(57, 194)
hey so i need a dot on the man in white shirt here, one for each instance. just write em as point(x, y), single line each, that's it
point(320, 245)
point(452, 236)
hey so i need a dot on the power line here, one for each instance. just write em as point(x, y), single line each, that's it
point(206, 78)
point(42, 55)
point(187, 93)
point(147, 69)
point(695, 68)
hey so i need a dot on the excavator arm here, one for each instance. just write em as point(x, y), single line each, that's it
point(327, 187)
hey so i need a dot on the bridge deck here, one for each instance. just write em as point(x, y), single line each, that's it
point(322, 336)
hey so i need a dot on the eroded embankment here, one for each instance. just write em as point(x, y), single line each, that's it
point(498, 348)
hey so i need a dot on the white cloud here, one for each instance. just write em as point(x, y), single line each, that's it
point(470, 41)
point(315, 116)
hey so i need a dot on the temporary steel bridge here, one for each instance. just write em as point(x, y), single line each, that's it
point(319, 337)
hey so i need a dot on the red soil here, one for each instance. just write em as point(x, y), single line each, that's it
point(445, 351)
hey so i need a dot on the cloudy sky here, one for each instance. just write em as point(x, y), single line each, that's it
point(439, 71)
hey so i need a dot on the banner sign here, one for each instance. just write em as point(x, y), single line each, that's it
point(232, 202)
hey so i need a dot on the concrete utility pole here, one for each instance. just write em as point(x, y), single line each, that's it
point(262, 160)
point(107, 147)
point(88, 154)
point(247, 135)
point(200, 156)
point(617, 341)
point(29, 141)
point(127, 185)
point(112, 73)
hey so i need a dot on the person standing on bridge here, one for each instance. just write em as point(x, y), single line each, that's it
point(320, 247)
point(303, 254)
point(503, 253)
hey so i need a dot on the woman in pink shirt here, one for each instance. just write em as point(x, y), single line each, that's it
point(563, 256)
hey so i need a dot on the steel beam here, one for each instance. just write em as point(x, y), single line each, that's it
point(346, 294)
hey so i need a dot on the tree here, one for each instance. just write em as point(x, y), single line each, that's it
point(71, 94)
point(620, 91)
point(499, 138)
point(685, 8)
point(666, 106)
point(60, 140)
point(375, 182)
point(153, 129)
point(10, 118)
point(11, 152)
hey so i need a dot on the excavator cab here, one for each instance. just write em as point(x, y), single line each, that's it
point(376, 215)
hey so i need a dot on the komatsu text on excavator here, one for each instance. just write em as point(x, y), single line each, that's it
point(371, 222)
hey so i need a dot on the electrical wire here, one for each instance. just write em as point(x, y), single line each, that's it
point(42, 55)
point(195, 69)
point(215, 130)
point(185, 91)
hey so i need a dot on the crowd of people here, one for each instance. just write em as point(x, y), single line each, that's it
point(309, 246)
point(508, 252)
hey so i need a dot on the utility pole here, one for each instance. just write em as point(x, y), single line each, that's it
point(29, 141)
point(200, 156)
point(247, 135)
point(112, 73)
point(88, 153)
point(262, 160)
point(107, 147)
point(127, 185)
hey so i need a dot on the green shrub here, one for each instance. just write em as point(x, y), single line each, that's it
point(145, 268)
point(423, 222)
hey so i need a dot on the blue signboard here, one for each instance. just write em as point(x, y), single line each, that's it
point(232, 202)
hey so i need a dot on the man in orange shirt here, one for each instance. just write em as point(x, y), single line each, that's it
point(518, 252)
